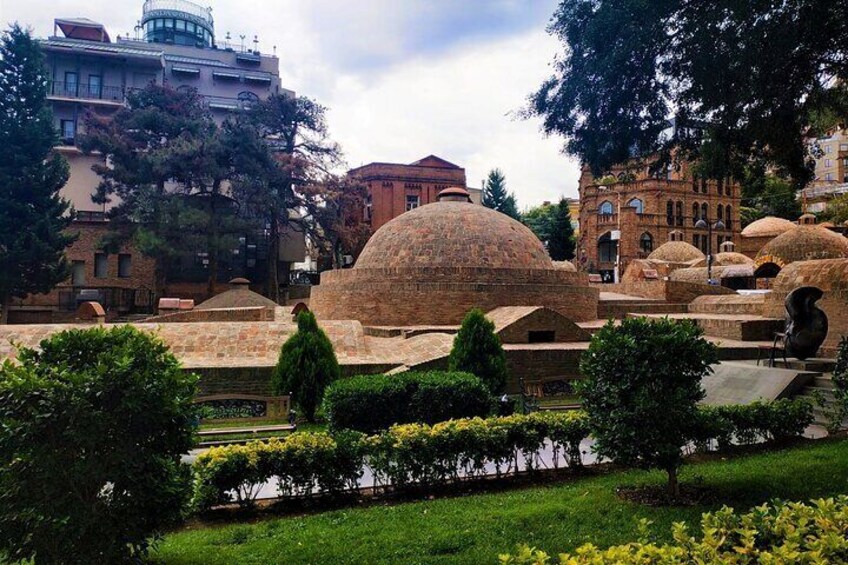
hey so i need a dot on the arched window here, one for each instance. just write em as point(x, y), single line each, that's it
point(638, 204)
point(679, 214)
point(607, 248)
point(696, 212)
point(669, 213)
point(705, 211)
point(728, 216)
point(646, 243)
point(720, 212)
point(605, 209)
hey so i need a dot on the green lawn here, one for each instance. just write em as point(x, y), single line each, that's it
point(474, 529)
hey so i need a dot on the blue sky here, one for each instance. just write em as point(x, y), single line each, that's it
point(401, 78)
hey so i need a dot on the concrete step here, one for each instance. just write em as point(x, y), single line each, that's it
point(619, 309)
point(740, 327)
point(751, 305)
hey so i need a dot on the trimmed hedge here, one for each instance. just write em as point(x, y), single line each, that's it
point(746, 424)
point(778, 533)
point(402, 456)
point(370, 403)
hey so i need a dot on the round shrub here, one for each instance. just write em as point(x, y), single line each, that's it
point(92, 428)
point(478, 350)
point(307, 364)
point(370, 403)
point(643, 382)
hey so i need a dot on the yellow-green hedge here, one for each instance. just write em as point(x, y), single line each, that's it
point(781, 533)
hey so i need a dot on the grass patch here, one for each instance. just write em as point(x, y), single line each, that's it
point(476, 528)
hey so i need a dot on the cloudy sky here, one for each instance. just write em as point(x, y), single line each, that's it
point(402, 78)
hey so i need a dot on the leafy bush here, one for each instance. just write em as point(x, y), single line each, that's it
point(307, 364)
point(746, 424)
point(778, 533)
point(403, 456)
point(370, 403)
point(839, 411)
point(643, 382)
point(92, 429)
point(477, 350)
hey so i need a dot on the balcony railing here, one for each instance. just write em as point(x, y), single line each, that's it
point(87, 91)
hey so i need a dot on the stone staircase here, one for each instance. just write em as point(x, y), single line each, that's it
point(738, 327)
point(820, 390)
point(619, 309)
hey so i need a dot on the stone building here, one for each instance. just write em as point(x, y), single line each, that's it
point(648, 210)
point(431, 265)
point(394, 188)
point(89, 72)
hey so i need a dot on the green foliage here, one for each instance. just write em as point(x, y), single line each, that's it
point(307, 364)
point(92, 428)
point(477, 350)
point(496, 196)
point(839, 411)
point(370, 403)
point(404, 456)
point(836, 211)
point(789, 532)
point(768, 195)
point(747, 424)
point(32, 214)
point(643, 381)
point(552, 225)
point(770, 78)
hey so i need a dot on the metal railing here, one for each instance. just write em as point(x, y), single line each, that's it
point(87, 91)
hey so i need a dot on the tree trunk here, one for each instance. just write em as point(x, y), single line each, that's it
point(673, 484)
point(273, 283)
point(4, 308)
point(212, 243)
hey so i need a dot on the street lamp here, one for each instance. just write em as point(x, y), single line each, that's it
point(718, 225)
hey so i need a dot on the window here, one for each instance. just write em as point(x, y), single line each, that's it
point(94, 86)
point(669, 213)
point(694, 183)
point(124, 265)
point(78, 273)
point(828, 176)
point(541, 336)
point(828, 163)
point(638, 205)
point(646, 243)
point(169, 24)
point(843, 146)
point(696, 212)
point(71, 82)
point(696, 240)
point(605, 209)
point(728, 216)
point(157, 23)
point(369, 208)
point(704, 186)
point(827, 148)
point(705, 211)
point(413, 201)
point(679, 212)
point(101, 266)
point(720, 212)
point(607, 248)
point(69, 130)
point(181, 25)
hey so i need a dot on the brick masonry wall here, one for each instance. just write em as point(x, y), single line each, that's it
point(539, 364)
point(251, 314)
point(425, 303)
point(750, 246)
point(543, 320)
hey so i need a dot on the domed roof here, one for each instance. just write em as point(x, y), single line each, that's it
point(565, 266)
point(769, 226)
point(676, 252)
point(803, 243)
point(732, 258)
point(454, 234)
point(239, 297)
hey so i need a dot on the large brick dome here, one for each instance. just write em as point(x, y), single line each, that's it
point(431, 265)
point(769, 226)
point(450, 234)
point(802, 243)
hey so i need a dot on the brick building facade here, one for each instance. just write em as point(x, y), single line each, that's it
point(394, 188)
point(648, 211)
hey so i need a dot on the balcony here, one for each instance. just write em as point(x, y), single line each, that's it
point(93, 93)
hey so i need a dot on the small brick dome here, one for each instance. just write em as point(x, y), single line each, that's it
point(449, 234)
point(769, 226)
point(676, 252)
point(565, 266)
point(726, 258)
point(803, 243)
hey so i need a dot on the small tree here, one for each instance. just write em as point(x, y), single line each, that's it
point(477, 350)
point(32, 214)
point(562, 244)
point(642, 385)
point(306, 366)
point(496, 197)
point(92, 429)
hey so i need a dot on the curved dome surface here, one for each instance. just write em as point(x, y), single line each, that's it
point(676, 252)
point(803, 243)
point(451, 234)
point(565, 266)
point(769, 226)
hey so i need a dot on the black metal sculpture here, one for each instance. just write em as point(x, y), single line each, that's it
point(806, 323)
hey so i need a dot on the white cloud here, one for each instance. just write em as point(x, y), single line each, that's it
point(403, 79)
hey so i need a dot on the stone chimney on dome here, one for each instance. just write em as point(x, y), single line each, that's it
point(454, 194)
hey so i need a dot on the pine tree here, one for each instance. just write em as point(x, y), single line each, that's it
point(32, 214)
point(562, 244)
point(478, 350)
point(307, 364)
point(496, 197)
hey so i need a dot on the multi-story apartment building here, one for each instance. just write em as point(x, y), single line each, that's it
point(629, 213)
point(89, 72)
point(832, 158)
point(394, 188)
